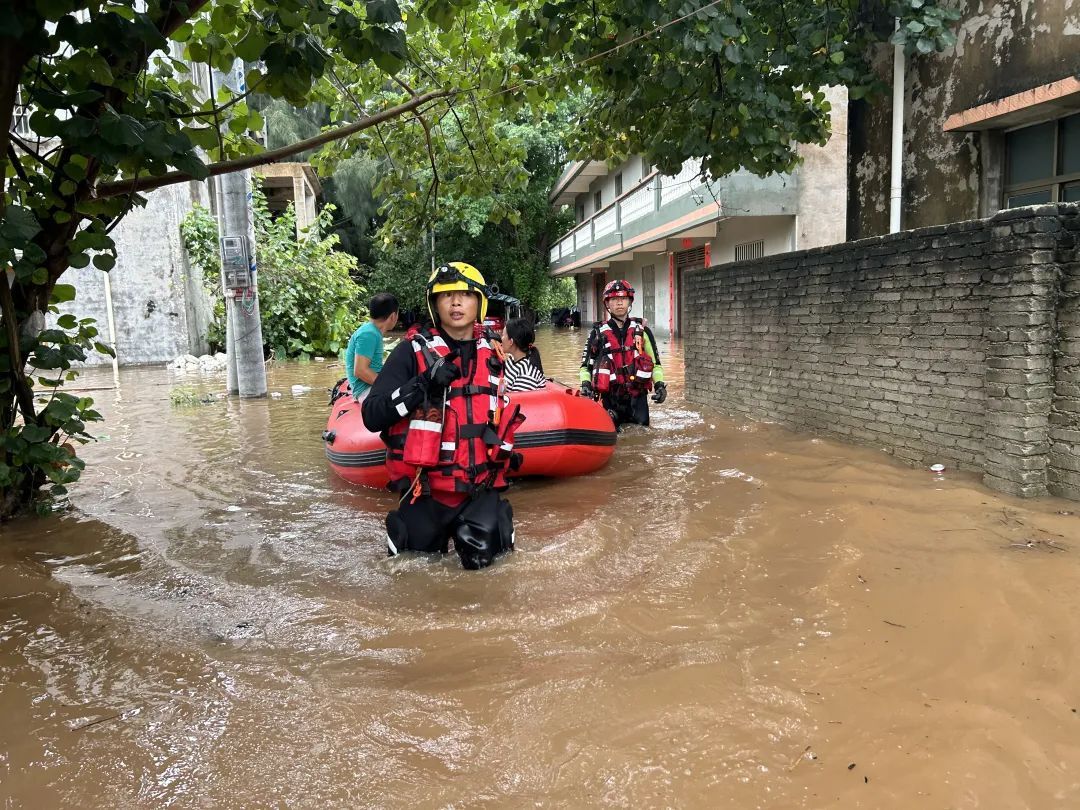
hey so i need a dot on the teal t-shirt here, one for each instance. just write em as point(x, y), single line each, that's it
point(368, 341)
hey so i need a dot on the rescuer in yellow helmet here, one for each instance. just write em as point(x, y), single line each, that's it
point(447, 427)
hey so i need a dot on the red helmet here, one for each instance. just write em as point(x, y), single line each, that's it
point(620, 288)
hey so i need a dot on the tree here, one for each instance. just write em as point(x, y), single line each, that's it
point(735, 83)
point(120, 102)
point(512, 255)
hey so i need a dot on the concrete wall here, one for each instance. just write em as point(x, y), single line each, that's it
point(159, 307)
point(633, 171)
point(1002, 48)
point(957, 344)
point(822, 182)
point(778, 234)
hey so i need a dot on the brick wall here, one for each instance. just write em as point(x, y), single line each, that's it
point(957, 344)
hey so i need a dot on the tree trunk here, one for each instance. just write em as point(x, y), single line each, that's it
point(17, 395)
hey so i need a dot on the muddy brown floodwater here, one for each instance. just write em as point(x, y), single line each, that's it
point(728, 615)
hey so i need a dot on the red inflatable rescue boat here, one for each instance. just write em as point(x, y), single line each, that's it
point(563, 434)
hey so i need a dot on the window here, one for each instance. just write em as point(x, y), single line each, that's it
point(752, 250)
point(618, 185)
point(20, 120)
point(597, 200)
point(1042, 163)
point(579, 212)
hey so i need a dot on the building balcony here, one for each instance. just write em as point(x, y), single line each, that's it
point(660, 207)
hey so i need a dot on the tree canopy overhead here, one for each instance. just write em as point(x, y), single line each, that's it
point(736, 83)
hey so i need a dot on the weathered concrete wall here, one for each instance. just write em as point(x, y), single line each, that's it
point(1064, 467)
point(957, 344)
point(822, 181)
point(159, 306)
point(1002, 48)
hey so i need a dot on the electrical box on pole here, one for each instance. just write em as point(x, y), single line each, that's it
point(235, 263)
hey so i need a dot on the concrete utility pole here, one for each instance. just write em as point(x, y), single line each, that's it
point(243, 328)
point(245, 342)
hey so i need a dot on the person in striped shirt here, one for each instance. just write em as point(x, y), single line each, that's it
point(524, 371)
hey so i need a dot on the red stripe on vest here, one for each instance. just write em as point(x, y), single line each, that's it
point(479, 455)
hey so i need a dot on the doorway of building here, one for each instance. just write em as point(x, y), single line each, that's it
point(684, 261)
point(648, 293)
point(599, 280)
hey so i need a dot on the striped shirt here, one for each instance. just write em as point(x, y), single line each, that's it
point(521, 375)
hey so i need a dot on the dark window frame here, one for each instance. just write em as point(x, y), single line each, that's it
point(1054, 183)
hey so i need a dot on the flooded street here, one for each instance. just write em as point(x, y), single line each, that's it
point(728, 615)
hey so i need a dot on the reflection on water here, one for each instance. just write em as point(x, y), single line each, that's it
point(727, 615)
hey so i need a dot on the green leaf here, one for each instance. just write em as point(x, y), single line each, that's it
point(104, 261)
point(121, 130)
point(62, 293)
point(383, 12)
point(19, 225)
point(251, 47)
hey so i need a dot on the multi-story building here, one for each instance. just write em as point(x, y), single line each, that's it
point(634, 223)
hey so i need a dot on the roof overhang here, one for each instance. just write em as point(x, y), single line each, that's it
point(576, 179)
point(1038, 104)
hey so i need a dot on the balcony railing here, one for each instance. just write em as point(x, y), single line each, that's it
point(649, 195)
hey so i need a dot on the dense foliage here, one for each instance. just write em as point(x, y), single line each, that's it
point(308, 301)
point(512, 255)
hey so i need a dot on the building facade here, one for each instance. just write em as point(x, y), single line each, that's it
point(991, 123)
point(651, 229)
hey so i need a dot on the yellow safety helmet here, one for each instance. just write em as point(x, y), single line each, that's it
point(455, 276)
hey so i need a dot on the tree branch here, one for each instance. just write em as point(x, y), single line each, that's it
point(14, 158)
point(360, 109)
point(148, 183)
point(32, 152)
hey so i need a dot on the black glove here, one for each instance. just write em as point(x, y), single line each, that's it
point(587, 390)
point(659, 393)
point(442, 374)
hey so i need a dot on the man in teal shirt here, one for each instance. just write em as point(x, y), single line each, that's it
point(364, 355)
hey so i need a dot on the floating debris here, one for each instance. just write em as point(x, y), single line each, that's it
point(1040, 544)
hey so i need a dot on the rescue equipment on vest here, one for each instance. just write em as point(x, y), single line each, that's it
point(623, 364)
point(641, 381)
point(467, 445)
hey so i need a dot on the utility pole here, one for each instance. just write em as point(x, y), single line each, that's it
point(240, 279)
point(239, 276)
point(896, 182)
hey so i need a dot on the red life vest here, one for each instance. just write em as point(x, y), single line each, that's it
point(477, 428)
point(622, 364)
